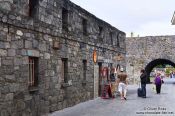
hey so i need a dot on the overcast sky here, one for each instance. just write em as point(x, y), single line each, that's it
point(142, 17)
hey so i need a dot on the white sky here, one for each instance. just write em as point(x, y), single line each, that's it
point(142, 17)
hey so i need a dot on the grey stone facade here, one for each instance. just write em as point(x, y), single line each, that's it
point(41, 36)
point(143, 50)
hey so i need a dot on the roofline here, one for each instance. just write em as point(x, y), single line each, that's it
point(101, 21)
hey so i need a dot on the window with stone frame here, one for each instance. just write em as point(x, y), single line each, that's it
point(64, 70)
point(64, 19)
point(33, 7)
point(84, 69)
point(84, 24)
point(33, 72)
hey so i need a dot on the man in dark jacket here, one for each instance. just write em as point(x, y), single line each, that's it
point(143, 78)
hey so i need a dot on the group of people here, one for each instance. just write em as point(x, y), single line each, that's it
point(119, 83)
point(158, 81)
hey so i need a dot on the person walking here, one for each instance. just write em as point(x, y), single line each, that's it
point(122, 88)
point(158, 83)
point(113, 82)
point(143, 78)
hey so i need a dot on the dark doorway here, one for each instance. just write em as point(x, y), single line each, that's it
point(100, 78)
point(156, 62)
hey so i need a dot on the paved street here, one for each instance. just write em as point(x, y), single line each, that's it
point(154, 104)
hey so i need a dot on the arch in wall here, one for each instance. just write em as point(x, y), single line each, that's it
point(149, 67)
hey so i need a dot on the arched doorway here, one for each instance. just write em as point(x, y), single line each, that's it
point(154, 63)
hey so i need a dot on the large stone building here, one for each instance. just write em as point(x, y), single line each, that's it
point(47, 48)
point(148, 52)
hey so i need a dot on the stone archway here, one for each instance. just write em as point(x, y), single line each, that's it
point(146, 52)
point(152, 64)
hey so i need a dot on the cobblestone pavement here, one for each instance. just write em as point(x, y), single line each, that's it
point(153, 105)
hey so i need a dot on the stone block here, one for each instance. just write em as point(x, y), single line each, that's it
point(56, 45)
point(57, 86)
point(53, 100)
point(19, 32)
point(6, 6)
point(16, 67)
point(2, 80)
point(10, 1)
point(53, 108)
point(28, 44)
point(33, 53)
point(3, 113)
point(17, 44)
point(35, 44)
point(2, 45)
point(20, 105)
point(11, 52)
point(7, 62)
point(42, 47)
point(12, 17)
point(10, 77)
point(14, 87)
point(17, 37)
point(29, 35)
point(7, 45)
point(27, 97)
point(17, 61)
point(18, 18)
point(47, 38)
point(8, 69)
point(9, 38)
point(46, 56)
point(23, 52)
point(60, 98)
point(9, 97)
point(5, 29)
point(5, 90)
point(25, 61)
point(51, 73)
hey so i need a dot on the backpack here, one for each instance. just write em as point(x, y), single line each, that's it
point(158, 81)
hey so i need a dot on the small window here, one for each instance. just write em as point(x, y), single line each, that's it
point(100, 30)
point(33, 72)
point(118, 44)
point(118, 40)
point(84, 23)
point(64, 70)
point(64, 19)
point(84, 69)
point(100, 34)
point(111, 38)
point(32, 7)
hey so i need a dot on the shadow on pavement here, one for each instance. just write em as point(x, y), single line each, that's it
point(131, 91)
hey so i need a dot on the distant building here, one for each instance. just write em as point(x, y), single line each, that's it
point(173, 19)
point(53, 55)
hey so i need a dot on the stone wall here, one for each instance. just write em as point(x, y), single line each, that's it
point(23, 36)
point(142, 50)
